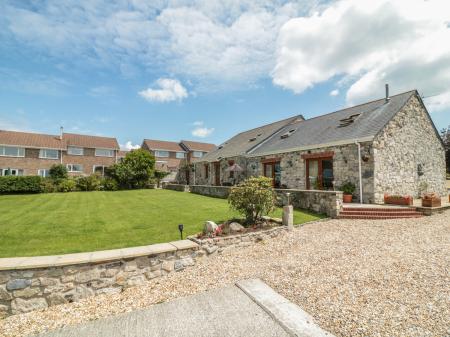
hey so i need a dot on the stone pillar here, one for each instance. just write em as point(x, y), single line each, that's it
point(288, 217)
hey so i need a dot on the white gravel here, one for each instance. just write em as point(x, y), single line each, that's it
point(356, 277)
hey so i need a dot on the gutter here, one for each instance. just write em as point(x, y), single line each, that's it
point(315, 146)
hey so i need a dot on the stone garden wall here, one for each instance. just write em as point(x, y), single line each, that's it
point(177, 187)
point(211, 191)
point(211, 246)
point(33, 283)
point(324, 202)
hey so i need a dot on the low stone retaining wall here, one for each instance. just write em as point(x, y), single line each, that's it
point(31, 283)
point(324, 202)
point(177, 187)
point(211, 191)
point(211, 246)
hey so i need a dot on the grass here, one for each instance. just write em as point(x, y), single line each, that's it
point(47, 224)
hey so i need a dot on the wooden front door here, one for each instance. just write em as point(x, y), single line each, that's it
point(273, 170)
point(319, 173)
point(217, 173)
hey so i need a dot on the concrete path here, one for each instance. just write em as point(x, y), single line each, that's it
point(223, 312)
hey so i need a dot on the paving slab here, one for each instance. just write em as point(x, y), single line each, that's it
point(225, 312)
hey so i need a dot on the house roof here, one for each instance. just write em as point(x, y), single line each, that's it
point(197, 146)
point(247, 140)
point(72, 139)
point(163, 145)
point(368, 120)
point(37, 140)
point(28, 139)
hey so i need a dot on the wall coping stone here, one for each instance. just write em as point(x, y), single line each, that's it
point(36, 262)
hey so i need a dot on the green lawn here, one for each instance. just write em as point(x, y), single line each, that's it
point(46, 224)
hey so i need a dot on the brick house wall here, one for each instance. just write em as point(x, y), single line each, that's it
point(88, 160)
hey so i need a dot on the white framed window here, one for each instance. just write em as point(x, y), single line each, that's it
point(104, 153)
point(12, 151)
point(11, 172)
point(161, 154)
point(198, 154)
point(100, 169)
point(44, 173)
point(48, 154)
point(75, 151)
point(181, 155)
point(74, 167)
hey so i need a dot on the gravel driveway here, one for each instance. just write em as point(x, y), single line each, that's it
point(356, 277)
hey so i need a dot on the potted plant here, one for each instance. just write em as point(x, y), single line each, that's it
point(348, 188)
point(405, 200)
point(431, 200)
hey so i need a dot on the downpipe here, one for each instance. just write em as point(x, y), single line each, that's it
point(360, 173)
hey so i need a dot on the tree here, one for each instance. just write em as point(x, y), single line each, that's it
point(254, 197)
point(58, 171)
point(445, 134)
point(134, 170)
point(159, 175)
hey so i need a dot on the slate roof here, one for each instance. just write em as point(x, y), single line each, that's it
point(247, 140)
point(197, 146)
point(153, 144)
point(37, 140)
point(318, 131)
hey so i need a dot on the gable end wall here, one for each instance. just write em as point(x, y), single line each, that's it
point(407, 141)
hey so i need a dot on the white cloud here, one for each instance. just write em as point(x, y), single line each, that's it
point(211, 42)
point(334, 92)
point(201, 130)
point(128, 146)
point(364, 44)
point(169, 90)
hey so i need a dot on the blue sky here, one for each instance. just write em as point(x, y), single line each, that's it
point(204, 70)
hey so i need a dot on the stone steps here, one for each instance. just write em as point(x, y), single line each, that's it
point(378, 213)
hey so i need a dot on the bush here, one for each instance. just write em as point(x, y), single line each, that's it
point(15, 184)
point(348, 188)
point(89, 183)
point(48, 185)
point(58, 171)
point(66, 185)
point(109, 184)
point(134, 170)
point(253, 198)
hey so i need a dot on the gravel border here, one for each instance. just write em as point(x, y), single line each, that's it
point(355, 277)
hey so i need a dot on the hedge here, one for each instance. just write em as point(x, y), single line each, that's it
point(20, 184)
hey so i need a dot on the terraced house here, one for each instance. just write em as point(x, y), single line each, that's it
point(24, 153)
point(388, 146)
point(173, 156)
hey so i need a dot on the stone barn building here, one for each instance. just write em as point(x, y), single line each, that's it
point(388, 146)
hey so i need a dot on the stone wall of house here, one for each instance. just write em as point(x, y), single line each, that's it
point(25, 288)
point(409, 157)
point(345, 168)
point(324, 202)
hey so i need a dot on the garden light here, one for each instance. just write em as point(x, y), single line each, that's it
point(180, 228)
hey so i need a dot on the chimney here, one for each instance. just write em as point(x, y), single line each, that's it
point(387, 92)
point(61, 131)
